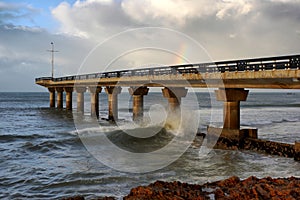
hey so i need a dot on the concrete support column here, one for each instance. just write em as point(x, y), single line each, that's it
point(113, 102)
point(69, 91)
point(59, 97)
point(80, 98)
point(231, 112)
point(95, 100)
point(174, 96)
point(137, 94)
point(231, 115)
point(52, 97)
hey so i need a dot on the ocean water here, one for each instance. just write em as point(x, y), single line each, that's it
point(43, 157)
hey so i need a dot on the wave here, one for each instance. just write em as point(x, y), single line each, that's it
point(268, 122)
point(50, 145)
point(41, 147)
point(14, 137)
point(283, 105)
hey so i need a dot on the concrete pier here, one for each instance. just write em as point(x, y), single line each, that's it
point(231, 111)
point(59, 97)
point(52, 97)
point(112, 93)
point(80, 98)
point(95, 100)
point(281, 72)
point(231, 116)
point(69, 91)
point(174, 96)
point(137, 94)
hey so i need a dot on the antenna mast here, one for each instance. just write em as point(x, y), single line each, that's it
point(52, 60)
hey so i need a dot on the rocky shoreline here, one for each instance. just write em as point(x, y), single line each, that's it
point(229, 189)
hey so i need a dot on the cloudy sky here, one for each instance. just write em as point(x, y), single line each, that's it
point(97, 35)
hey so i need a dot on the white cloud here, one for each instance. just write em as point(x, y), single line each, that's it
point(178, 12)
point(227, 29)
point(98, 18)
point(81, 4)
point(91, 18)
point(254, 24)
point(234, 8)
point(67, 17)
point(168, 11)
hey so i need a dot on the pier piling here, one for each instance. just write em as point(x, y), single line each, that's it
point(94, 91)
point(80, 98)
point(52, 97)
point(112, 93)
point(59, 97)
point(137, 94)
point(69, 92)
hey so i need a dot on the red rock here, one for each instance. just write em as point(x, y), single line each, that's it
point(230, 182)
point(228, 189)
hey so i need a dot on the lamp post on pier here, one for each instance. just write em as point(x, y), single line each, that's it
point(52, 60)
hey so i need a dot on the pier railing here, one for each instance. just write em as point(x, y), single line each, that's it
point(256, 64)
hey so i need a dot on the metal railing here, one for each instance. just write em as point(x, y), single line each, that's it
point(256, 64)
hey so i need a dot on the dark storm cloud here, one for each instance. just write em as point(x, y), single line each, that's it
point(280, 10)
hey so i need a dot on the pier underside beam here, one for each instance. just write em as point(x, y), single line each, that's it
point(174, 96)
point(137, 94)
point(112, 93)
point(59, 97)
point(95, 100)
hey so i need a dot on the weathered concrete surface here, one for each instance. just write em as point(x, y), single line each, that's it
point(59, 97)
point(94, 91)
point(137, 94)
point(68, 91)
point(277, 79)
point(52, 97)
point(113, 102)
point(174, 96)
point(231, 110)
point(232, 139)
point(80, 98)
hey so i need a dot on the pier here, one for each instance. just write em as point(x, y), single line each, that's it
point(232, 81)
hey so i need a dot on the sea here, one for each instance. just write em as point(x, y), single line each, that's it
point(44, 156)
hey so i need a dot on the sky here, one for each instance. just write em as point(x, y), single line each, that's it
point(105, 35)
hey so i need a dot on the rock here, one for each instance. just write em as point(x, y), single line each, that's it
point(231, 188)
point(74, 198)
point(228, 189)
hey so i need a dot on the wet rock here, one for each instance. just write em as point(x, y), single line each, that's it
point(259, 145)
point(74, 198)
point(228, 189)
